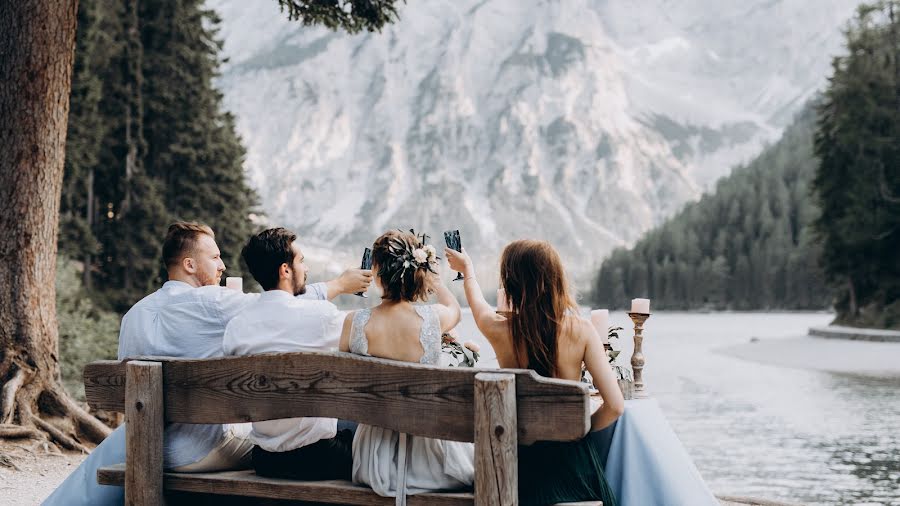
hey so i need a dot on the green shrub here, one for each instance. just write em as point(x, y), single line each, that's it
point(86, 331)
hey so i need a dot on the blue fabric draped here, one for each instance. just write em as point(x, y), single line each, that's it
point(647, 464)
point(81, 487)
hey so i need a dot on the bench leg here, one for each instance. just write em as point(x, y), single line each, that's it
point(496, 440)
point(144, 434)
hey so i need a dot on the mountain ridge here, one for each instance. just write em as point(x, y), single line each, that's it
point(583, 123)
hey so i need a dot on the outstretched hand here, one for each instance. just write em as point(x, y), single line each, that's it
point(460, 262)
point(354, 281)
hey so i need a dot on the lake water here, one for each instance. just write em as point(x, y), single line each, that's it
point(758, 430)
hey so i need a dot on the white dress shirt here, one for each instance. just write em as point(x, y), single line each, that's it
point(179, 320)
point(278, 322)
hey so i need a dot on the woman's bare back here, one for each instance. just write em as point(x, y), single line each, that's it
point(569, 350)
point(393, 331)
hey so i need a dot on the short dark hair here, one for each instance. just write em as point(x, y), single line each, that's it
point(266, 251)
point(181, 238)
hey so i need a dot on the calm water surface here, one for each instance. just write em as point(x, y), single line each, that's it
point(757, 430)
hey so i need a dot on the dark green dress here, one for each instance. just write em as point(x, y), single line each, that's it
point(551, 472)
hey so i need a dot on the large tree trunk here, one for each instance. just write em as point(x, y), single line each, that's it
point(37, 43)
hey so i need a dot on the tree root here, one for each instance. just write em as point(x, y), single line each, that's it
point(11, 431)
point(24, 395)
point(7, 461)
point(67, 442)
point(94, 429)
point(8, 399)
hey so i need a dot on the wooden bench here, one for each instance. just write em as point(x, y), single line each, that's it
point(495, 409)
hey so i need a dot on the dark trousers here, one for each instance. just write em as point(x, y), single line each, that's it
point(326, 459)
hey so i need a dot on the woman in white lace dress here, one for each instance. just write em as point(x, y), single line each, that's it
point(398, 329)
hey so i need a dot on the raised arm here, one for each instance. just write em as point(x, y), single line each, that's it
point(447, 306)
point(488, 321)
point(350, 281)
point(604, 378)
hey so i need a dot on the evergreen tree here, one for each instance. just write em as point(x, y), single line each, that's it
point(858, 178)
point(148, 143)
point(103, 174)
point(746, 246)
point(98, 33)
point(193, 146)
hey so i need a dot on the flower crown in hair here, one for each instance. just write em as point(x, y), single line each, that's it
point(405, 256)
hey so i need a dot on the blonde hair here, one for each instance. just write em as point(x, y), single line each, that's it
point(181, 239)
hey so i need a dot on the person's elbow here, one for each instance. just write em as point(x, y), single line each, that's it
point(617, 406)
point(455, 315)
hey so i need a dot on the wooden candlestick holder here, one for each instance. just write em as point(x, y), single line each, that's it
point(637, 358)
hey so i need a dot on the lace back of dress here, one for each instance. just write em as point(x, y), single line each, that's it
point(358, 342)
point(430, 335)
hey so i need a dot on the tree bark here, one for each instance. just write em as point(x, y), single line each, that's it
point(37, 44)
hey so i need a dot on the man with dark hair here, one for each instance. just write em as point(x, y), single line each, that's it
point(185, 318)
point(267, 251)
point(300, 448)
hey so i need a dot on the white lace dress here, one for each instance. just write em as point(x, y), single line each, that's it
point(428, 464)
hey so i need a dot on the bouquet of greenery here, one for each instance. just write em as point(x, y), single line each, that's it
point(612, 352)
point(459, 354)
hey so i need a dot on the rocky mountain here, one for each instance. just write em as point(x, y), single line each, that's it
point(583, 122)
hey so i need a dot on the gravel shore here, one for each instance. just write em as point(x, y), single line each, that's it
point(29, 472)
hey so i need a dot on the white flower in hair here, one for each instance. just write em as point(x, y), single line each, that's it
point(420, 255)
point(432, 253)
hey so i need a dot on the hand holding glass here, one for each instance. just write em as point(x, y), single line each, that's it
point(365, 264)
point(451, 237)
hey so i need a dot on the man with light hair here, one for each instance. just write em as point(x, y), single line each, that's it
point(186, 317)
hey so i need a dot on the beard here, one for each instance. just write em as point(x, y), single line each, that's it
point(207, 280)
point(299, 283)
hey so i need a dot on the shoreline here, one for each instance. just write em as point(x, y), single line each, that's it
point(855, 334)
point(843, 356)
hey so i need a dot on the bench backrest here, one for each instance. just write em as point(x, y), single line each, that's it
point(417, 399)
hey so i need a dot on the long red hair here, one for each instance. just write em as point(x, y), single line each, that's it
point(532, 274)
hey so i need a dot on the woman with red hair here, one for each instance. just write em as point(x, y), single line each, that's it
point(544, 332)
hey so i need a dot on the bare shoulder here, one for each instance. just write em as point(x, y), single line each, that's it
point(579, 329)
point(495, 326)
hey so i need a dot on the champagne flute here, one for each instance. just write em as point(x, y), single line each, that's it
point(451, 237)
point(365, 264)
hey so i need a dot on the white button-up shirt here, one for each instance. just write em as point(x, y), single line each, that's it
point(179, 320)
point(278, 322)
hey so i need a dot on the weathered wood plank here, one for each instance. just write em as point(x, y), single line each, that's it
point(496, 448)
point(144, 438)
point(104, 384)
point(247, 483)
point(417, 399)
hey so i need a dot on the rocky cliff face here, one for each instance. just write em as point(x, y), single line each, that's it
point(581, 122)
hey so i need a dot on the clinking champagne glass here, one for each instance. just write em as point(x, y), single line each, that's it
point(451, 237)
point(366, 264)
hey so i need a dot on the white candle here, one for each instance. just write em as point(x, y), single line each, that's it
point(600, 319)
point(234, 283)
point(641, 306)
point(502, 301)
